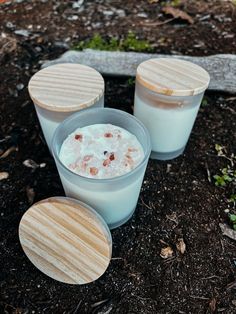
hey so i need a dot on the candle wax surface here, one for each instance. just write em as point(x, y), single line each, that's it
point(101, 151)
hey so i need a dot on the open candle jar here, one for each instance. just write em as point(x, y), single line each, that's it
point(114, 198)
point(63, 89)
point(168, 94)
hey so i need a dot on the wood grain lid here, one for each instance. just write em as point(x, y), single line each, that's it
point(172, 77)
point(66, 87)
point(66, 239)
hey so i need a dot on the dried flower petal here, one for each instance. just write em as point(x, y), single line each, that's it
point(87, 157)
point(166, 252)
point(79, 137)
point(93, 171)
point(108, 135)
point(106, 162)
point(112, 156)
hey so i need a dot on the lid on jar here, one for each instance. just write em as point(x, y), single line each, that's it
point(66, 239)
point(66, 87)
point(172, 77)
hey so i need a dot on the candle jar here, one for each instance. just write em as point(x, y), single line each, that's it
point(61, 90)
point(115, 199)
point(168, 94)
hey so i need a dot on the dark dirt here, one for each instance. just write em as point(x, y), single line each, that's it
point(177, 199)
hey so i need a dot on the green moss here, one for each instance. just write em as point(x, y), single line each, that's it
point(98, 43)
point(175, 3)
point(129, 43)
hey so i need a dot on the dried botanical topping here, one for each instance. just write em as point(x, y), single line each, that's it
point(130, 150)
point(108, 134)
point(72, 165)
point(112, 157)
point(93, 171)
point(105, 152)
point(79, 137)
point(87, 157)
point(129, 159)
point(106, 162)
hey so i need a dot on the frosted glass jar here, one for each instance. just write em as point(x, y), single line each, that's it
point(168, 94)
point(115, 199)
point(61, 90)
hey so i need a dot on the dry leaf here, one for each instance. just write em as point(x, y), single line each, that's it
point(30, 164)
point(180, 245)
point(7, 45)
point(30, 194)
point(4, 175)
point(8, 151)
point(178, 14)
point(153, 1)
point(226, 230)
point(166, 252)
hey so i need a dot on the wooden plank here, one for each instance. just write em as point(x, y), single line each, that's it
point(221, 67)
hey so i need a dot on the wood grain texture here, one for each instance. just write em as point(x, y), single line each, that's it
point(172, 77)
point(66, 240)
point(222, 67)
point(66, 87)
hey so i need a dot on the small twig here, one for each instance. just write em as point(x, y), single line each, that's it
point(230, 98)
point(223, 156)
point(164, 242)
point(230, 109)
point(231, 285)
point(149, 207)
point(210, 277)
point(96, 304)
point(173, 218)
point(208, 172)
point(77, 307)
point(8, 152)
point(222, 245)
point(169, 260)
point(157, 23)
point(197, 297)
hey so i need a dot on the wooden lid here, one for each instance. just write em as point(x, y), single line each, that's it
point(66, 240)
point(66, 87)
point(172, 77)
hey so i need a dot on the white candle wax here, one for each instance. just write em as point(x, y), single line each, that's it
point(103, 151)
point(169, 127)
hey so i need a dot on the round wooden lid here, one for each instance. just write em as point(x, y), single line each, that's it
point(66, 239)
point(66, 87)
point(172, 77)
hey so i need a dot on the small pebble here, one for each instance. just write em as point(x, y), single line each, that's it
point(20, 86)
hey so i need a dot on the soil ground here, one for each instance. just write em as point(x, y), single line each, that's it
point(177, 198)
